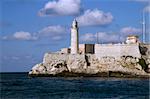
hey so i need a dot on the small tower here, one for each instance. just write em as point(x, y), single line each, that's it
point(132, 39)
point(74, 38)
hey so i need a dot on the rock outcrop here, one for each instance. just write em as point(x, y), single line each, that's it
point(145, 59)
point(88, 65)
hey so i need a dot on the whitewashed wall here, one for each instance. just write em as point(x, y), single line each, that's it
point(117, 50)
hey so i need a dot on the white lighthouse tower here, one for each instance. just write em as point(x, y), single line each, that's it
point(74, 38)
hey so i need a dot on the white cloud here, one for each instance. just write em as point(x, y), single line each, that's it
point(140, 0)
point(94, 17)
point(88, 37)
point(54, 32)
point(11, 57)
point(4, 37)
point(103, 37)
point(23, 36)
point(15, 58)
point(61, 7)
point(56, 37)
point(147, 9)
point(130, 30)
point(108, 37)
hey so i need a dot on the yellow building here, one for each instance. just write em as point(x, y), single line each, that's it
point(132, 39)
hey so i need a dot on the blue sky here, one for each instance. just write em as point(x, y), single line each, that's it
point(30, 28)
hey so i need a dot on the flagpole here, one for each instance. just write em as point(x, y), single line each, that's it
point(143, 27)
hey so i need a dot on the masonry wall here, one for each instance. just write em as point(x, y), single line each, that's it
point(117, 50)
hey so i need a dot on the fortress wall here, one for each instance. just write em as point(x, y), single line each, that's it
point(117, 50)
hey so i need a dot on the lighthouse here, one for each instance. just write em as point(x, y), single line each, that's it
point(74, 37)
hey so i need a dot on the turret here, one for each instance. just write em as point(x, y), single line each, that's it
point(74, 37)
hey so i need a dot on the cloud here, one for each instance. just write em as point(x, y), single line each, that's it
point(140, 0)
point(130, 30)
point(147, 9)
point(10, 57)
point(54, 32)
point(94, 17)
point(16, 57)
point(60, 7)
point(102, 37)
point(4, 37)
point(88, 37)
point(108, 37)
point(23, 36)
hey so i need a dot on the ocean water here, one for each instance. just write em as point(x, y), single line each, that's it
point(20, 86)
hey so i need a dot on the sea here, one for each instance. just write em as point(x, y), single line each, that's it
point(21, 86)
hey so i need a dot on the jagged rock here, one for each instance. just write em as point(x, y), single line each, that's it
point(38, 69)
point(139, 67)
point(57, 66)
point(87, 64)
point(76, 63)
point(148, 69)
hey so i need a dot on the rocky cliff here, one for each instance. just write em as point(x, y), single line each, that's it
point(88, 65)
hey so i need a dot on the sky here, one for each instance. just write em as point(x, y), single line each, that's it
point(30, 28)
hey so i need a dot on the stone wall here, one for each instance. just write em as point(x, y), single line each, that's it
point(117, 50)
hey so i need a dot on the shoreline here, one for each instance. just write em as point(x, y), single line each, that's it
point(109, 74)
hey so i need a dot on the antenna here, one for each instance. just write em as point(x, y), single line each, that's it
point(97, 38)
point(143, 27)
